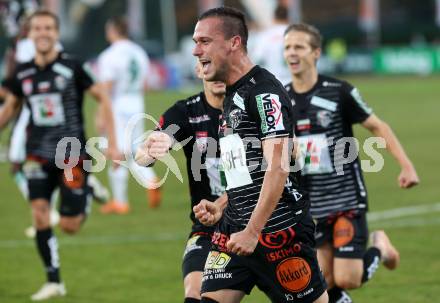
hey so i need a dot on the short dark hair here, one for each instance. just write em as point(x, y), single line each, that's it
point(46, 13)
point(313, 32)
point(233, 22)
point(281, 13)
point(120, 24)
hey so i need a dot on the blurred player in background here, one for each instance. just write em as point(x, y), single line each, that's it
point(268, 46)
point(23, 50)
point(123, 69)
point(326, 108)
point(197, 118)
point(52, 86)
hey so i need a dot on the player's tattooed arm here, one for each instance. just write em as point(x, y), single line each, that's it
point(276, 153)
point(408, 176)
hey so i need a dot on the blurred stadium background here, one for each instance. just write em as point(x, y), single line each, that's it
point(389, 49)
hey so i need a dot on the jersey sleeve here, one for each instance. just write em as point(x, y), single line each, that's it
point(84, 75)
point(13, 85)
point(270, 108)
point(354, 107)
point(174, 121)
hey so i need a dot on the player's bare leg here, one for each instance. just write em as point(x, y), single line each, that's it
point(192, 284)
point(389, 255)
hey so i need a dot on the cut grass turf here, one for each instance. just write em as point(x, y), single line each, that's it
point(137, 257)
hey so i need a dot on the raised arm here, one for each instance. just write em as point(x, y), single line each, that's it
point(408, 176)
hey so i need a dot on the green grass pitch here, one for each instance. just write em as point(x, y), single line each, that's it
point(137, 257)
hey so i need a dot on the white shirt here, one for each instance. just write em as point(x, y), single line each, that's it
point(267, 51)
point(126, 65)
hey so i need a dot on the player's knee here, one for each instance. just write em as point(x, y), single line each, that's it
point(208, 300)
point(347, 282)
point(41, 216)
point(192, 292)
point(70, 226)
point(328, 276)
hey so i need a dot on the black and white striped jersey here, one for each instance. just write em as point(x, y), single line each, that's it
point(54, 95)
point(323, 117)
point(195, 124)
point(256, 108)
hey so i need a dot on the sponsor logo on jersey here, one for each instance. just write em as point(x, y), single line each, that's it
point(294, 274)
point(62, 70)
point(324, 103)
point(269, 108)
point(191, 244)
point(43, 87)
point(198, 119)
point(26, 73)
point(303, 124)
point(324, 118)
point(235, 118)
point(238, 100)
point(331, 84)
point(277, 239)
point(192, 101)
point(217, 260)
point(26, 86)
point(60, 82)
point(202, 140)
point(343, 232)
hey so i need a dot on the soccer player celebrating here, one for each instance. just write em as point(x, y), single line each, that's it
point(324, 111)
point(123, 68)
point(196, 118)
point(264, 236)
point(52, 86)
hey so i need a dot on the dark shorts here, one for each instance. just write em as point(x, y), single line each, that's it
point(346, 231)
point(284, 265)
point(44, 177)
point(196, 251)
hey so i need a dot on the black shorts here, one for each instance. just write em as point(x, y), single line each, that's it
point(346, 231)
point(196, 251)
point(284, 265)
point(44, 177)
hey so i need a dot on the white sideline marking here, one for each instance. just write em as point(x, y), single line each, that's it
point(101, 240)
point(403, 212)
point(377, 218)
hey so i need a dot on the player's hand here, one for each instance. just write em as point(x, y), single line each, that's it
point(408, 177)
point(156, 146)
point(207, 212)
point(242, 243)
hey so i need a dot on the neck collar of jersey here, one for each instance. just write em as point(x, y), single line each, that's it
point(231, 88)
point(48, 65)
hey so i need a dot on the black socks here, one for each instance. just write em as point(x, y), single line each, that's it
point(47, 246)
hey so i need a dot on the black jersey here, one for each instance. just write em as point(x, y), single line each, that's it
point(54, 95)
point(324, 115)
point(197, 120)
point(256, 108)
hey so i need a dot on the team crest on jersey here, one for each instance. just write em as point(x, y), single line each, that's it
point(60, 82)
point(269, 108)
point(202, 141)
point(324, 118)
point(43, 86)
point(235, 118)
point(26, 86)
